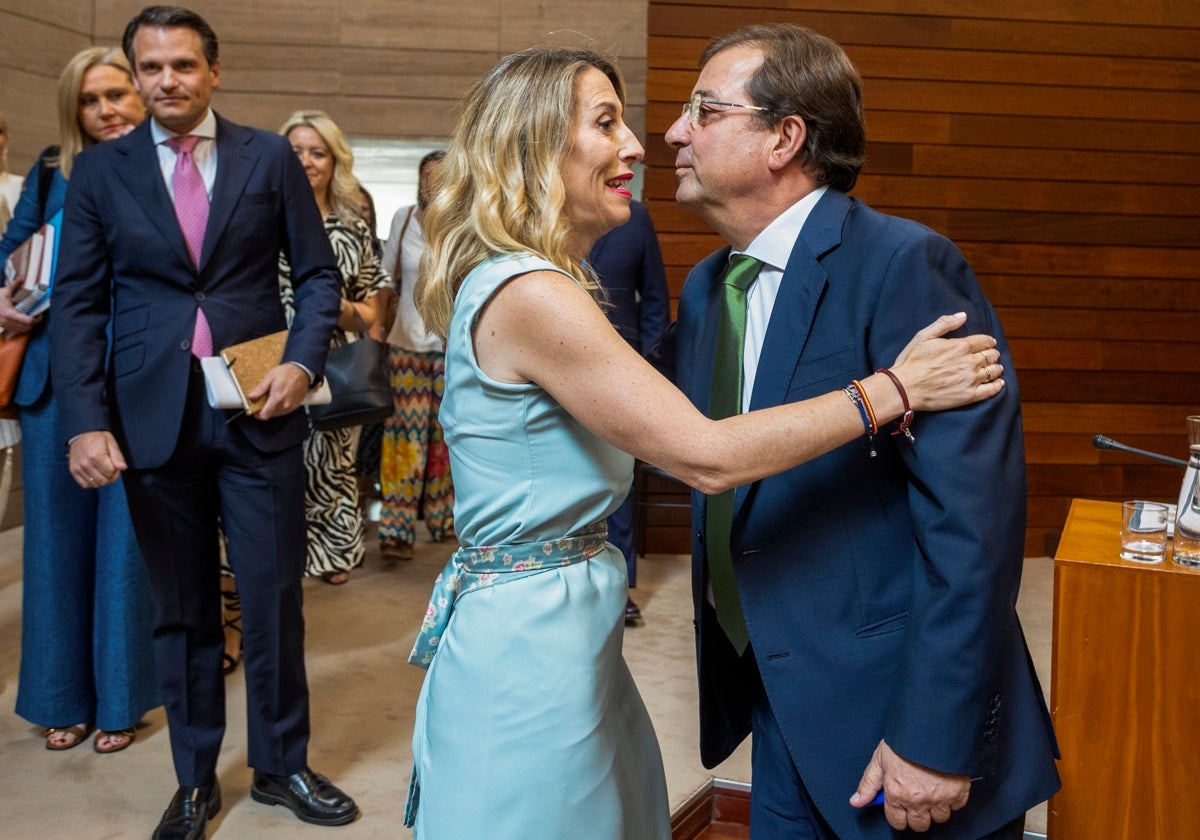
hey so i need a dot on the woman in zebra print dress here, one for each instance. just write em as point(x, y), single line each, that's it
point(335, 524)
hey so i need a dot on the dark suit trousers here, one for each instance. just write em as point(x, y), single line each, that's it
point(259, 499)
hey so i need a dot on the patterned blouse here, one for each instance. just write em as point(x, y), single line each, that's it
point(362, 274)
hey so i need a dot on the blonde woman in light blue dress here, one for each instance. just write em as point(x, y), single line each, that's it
point(529, 725)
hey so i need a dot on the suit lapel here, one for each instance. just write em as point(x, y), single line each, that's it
point(235, 162)
point(143, 177)
point(804, 282)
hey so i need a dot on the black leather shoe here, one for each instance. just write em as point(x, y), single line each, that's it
point(186, 818)
point(633, 613)
point(310, 796)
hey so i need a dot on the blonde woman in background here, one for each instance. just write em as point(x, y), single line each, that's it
point(86, 616)
point(335, 521)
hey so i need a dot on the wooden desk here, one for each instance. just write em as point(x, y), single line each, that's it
point(1125, 688)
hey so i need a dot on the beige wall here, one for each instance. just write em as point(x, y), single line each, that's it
point(382, 68)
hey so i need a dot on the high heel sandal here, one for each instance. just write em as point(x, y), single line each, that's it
point(231, 606)
point(116, 740)
point(59, 738)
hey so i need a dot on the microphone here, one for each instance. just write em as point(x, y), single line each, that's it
point(1102, 442)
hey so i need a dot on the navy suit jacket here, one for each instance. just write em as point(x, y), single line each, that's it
point(880, 592)
point(123, 259)
point(629, 264)
point(35, 366)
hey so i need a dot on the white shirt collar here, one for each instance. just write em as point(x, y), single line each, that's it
point(774, 245)
point(207, 128)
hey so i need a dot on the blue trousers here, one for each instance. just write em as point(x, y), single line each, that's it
point(86, 613)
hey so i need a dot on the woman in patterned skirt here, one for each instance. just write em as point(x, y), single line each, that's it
point(414, 474)
point(335, 522)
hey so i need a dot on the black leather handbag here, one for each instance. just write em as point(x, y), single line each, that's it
point(359, 384)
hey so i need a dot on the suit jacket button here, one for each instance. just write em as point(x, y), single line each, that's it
point(200, 296)
point(185, 345)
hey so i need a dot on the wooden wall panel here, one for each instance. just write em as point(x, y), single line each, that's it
point(1057, 144)
point(382, 68)
point(1028, 196)
point(1108, 11)
point(28, 105)
point(35, 49)
point(1021, 28)
point(291, 22)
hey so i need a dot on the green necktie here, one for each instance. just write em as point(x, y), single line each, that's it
point(726, 401)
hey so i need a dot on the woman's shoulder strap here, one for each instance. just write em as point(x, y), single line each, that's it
point(45, 177)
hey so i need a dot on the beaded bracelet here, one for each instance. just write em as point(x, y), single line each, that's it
point(854, 391)
point(907, 418)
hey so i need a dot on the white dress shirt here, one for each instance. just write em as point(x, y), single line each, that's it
point(408, 330)
point(774, 247)
point(205, 153)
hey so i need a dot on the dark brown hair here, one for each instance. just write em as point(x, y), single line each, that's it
point(168, 16)
point(810, 76)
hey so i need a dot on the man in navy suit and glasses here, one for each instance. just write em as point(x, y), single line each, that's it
point(169, 253)
point(868, 637)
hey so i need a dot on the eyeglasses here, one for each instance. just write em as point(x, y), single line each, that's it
point(695, 106)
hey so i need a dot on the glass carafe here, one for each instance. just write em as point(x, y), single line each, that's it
point(1186, 540)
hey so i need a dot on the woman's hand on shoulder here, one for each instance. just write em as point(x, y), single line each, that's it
point(940, 373)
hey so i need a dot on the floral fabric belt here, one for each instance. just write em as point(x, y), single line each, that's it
point(470, 569)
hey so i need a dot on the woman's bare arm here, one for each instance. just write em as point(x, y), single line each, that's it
point(543, 328)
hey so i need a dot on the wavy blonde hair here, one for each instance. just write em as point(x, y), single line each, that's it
point(343, 186)
point(499, 190)
point(72, 138)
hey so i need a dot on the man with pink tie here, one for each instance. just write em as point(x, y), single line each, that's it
point(170, 247)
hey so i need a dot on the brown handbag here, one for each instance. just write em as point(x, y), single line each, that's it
point(12, 353)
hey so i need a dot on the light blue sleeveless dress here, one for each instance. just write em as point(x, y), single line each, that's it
point(529, 725)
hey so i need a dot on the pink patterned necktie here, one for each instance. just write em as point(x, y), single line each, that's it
point(191, 209)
